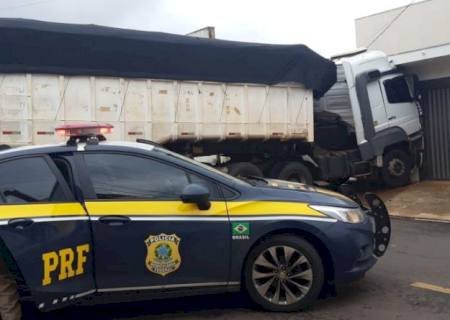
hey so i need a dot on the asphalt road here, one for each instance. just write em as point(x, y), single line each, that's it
point(419, 252)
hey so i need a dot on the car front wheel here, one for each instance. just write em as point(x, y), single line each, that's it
point(284, 273)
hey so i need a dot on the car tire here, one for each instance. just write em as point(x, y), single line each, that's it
point(244, 169)
point(397, 166)
point(295, 284)
point(9, 297)
point(292, 171)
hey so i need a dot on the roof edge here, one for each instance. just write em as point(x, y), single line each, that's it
point(393, 9)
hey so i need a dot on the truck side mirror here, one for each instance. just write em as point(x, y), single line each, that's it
point(198, 194)
point(413, 84)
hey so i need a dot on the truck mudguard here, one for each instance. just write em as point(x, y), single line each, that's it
point(376, 145)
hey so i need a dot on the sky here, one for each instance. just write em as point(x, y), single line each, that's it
point(326, 26)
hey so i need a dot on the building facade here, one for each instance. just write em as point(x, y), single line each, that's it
point(417, 38)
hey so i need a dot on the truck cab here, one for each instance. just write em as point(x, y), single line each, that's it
point(382, 119)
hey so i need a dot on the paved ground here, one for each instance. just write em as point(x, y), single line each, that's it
point(423, 200)
point(419, 252)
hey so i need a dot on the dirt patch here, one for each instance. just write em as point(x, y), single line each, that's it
point(423, 200)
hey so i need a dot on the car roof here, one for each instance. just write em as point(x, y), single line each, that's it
point(63, 147)
point(128, 144)
point(13, 151)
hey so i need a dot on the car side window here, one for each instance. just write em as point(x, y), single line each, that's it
point(397, 90)
point(211, 186)
point(29, 180)
point(122, 176)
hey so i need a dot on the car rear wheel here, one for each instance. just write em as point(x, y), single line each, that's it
point(284, 273)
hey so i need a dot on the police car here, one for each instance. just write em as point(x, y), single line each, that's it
point(92, 219)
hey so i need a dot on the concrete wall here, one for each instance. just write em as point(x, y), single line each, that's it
point(423, 25)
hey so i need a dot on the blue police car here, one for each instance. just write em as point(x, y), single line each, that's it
point(104, 220)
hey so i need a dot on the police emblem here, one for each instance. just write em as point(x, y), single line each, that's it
point(163, 256)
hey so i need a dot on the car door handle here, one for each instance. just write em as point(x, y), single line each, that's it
point(392, 118)
point(20, 224)
point(114, 221)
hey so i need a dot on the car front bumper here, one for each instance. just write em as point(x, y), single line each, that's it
point(356, 247)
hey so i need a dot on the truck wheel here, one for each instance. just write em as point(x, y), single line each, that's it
point(284, 273)
point(9, 297)
point(397, 166)
point(244, 169)
point(292, 171)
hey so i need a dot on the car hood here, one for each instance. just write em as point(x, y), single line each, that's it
point(280, 190)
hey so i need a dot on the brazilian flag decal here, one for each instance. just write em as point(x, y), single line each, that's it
point(240, 230)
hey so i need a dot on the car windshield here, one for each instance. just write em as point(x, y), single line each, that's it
point(202, 165)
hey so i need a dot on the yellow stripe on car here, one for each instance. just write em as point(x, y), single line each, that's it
point(160, 208)
point(40, 210)
point(157, 208)
point(218, 208)
point(271, 208)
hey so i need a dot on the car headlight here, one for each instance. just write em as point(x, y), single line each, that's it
point(349, 215)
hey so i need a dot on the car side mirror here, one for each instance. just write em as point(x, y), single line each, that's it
point(198, 194)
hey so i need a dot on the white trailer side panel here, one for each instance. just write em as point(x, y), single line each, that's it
point(31, 106)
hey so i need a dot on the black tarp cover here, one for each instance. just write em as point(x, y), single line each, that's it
point(43, 47)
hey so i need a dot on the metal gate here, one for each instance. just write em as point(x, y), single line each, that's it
point(436, 107)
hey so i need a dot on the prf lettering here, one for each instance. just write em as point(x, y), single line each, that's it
point(68, 262)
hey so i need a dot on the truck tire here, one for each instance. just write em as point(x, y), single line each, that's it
point(244, 169)
point(397, 166)
point(292, 171)
point(9, 297)
point(284, 273)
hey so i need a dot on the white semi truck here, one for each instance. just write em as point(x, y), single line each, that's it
point(251, 107)
point(378, 129)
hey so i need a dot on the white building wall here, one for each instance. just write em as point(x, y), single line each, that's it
point(423, 25)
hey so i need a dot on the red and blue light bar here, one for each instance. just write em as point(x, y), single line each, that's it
point(84, 129)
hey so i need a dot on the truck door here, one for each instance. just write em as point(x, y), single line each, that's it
point(377, 106)
point(401, 109)
point(145, 237)
point(45, 231)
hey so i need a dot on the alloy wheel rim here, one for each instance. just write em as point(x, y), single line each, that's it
point(282, 275)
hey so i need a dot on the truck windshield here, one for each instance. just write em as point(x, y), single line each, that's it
point(397, 90)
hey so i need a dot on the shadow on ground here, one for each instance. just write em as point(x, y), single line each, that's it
point(208, 306)
point(179, 306)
